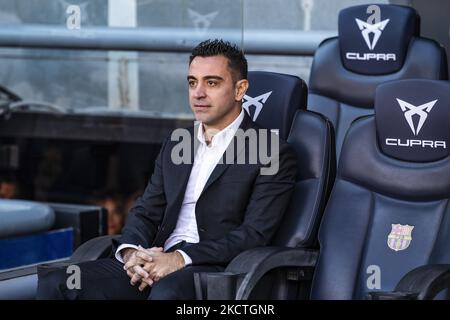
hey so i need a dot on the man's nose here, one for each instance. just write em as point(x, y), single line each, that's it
point(199, 91)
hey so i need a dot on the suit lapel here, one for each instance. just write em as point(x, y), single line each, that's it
point(221, 167)
point(183, 171)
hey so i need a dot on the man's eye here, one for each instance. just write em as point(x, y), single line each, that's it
point(212, 83)
point(191, 83)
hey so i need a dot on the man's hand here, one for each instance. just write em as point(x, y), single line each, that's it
point(134, 264)
point(126, 254)
point(158, 265)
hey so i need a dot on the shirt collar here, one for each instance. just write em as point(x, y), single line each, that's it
point(224, 136)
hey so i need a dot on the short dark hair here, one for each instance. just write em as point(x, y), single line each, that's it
point(236, 59)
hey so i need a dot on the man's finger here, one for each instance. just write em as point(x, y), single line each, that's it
point(148, 281)
point(133, 262)
point(144, 256)
point(140, 271)
point(148, 266)
point(129, 273)
point(129, 264)
point(142, 286)
point(153, 273)
point(135, 279)
point(145, 283)
point(152, 249)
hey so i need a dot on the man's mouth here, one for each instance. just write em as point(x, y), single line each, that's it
point(201, 106)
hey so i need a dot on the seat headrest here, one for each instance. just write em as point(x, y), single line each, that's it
point(374, 39)
point(273, 98)
point(412, 119)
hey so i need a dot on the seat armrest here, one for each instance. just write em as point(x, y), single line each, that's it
point(426, 281)
point(422, 283)
point(93, 249)
point(244, 271)
point(216, 285)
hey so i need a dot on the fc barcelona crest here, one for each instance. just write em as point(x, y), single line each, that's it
point(400, 237)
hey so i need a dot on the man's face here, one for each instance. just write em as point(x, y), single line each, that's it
point(214, 97)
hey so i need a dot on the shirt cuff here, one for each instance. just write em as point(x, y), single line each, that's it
point(187, 259)
point(118, 255)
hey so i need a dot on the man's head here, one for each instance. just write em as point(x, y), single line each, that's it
point(217, 82)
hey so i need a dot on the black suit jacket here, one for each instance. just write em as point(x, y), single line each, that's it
point(238, 208)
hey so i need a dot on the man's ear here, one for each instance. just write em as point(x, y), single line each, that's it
point(240, 89)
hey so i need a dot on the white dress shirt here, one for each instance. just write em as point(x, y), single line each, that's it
point(205, 160)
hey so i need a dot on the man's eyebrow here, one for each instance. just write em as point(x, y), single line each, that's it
point(206, 78)
point(213, 78)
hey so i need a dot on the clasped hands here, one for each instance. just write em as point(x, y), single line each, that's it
point(146, 266)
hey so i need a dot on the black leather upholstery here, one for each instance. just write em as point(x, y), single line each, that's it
point(312, 138)
point(364, 164)
point(375, 198)
point(410, 126)
point(343, 92)
point(330, 79)
point(273, 98)
point(372, 44)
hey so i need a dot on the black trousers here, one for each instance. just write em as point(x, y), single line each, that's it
point(106, 279)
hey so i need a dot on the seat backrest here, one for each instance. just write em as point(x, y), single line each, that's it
point(278, 102)
point(388, 211)
point(312, 138)
point(273, 98)
point(375, 44)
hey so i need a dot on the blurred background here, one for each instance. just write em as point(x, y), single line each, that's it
point(120, 104)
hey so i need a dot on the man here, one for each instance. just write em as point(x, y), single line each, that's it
point(197, 215)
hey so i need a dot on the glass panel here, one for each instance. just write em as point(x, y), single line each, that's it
point(149, 83)
point(109, 172)
point(291, 15)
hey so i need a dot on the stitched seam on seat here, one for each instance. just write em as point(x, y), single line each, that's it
point(439, 231)
point(363, 251)
point(322, 181)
